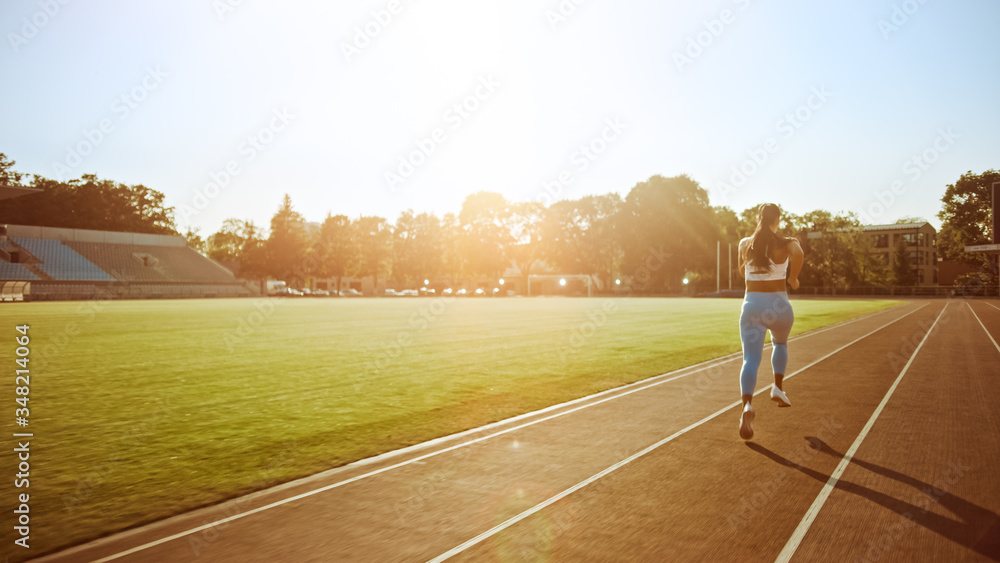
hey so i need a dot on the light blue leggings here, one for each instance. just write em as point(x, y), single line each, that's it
point(763, 312)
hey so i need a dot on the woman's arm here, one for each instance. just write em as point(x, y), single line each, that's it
point(742, 252)
point(796, 258)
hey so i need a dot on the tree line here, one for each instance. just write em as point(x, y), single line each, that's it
point(662, 231)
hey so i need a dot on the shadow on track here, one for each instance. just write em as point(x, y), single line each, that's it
point(977, 527)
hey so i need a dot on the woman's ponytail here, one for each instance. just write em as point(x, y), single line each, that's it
point(764, 241)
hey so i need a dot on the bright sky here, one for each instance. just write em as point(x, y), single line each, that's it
point(319, 99)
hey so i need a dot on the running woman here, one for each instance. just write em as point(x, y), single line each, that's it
point(765, 258)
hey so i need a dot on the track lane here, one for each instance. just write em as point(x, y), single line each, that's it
point(923, 486)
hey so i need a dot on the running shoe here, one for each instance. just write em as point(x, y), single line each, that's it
point(746, 422)
point(778, 396)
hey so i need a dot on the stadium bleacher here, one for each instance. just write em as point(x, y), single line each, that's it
point(43, 263)
point(62, 262)
point(15, 272)
point(128, 262)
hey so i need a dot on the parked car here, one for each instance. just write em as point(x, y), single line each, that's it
point(409, 293)
point(294, 293)
point(390, 292)
point(480, 292)
point(350, 293)
point(321, 293)
point(276, 287)
point(462, 292)
point(446, 291)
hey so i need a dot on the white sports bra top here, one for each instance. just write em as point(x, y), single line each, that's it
point(777, 272)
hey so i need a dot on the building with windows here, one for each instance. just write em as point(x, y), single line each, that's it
point(920, 240)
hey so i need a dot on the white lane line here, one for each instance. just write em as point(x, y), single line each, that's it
point(984, 326)
point(312, 492)
point(991, 305)
point(800, 531)
point(514, 520)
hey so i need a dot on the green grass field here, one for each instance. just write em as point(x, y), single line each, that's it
point(143, 409)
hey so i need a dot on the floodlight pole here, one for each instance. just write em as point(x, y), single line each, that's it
point(718, 266)
point(730, 266)
point(996, 234)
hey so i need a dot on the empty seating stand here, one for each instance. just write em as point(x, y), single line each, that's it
point(51, 268)
point(138, 263)
point(15, 272)
point(62, 262)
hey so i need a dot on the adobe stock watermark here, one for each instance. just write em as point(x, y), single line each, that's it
point(914, 167)
point(121, 108)
point(249, 149)
point(32, 25)
point(786, 127)
point(561, 12)
point(899, 17)
point(696, 45)
point(366, 33)
point(582, 158)
point(454, 117)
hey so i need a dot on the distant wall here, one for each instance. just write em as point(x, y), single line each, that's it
point(84, 235)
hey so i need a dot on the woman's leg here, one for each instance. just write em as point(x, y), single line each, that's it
point(752, 338)
point(784, 317)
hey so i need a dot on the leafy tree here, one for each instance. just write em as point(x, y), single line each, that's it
point(239, 242)
point(523, 222)
point(417, 247)
point(668, 230)
point(337, 248)
point(563, 229)
point(728, 224)
point(374, 238)
point(253, 259)
point(90, 203)
point(828, 259)
point(8, 177)
point(452, 237)
point(966, 218)
point(194, 241)
point(582, 236)
point(287, 245)
point(842, 256)
point(226, 245)
point(486, 235)
point(903, 273)
point(869, 264)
